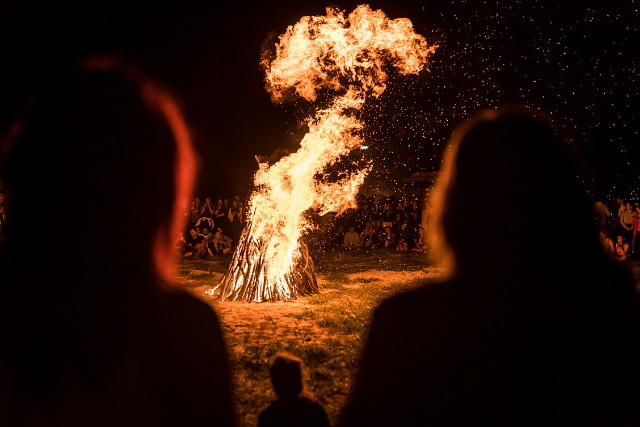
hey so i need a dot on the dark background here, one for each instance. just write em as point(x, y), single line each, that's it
point(577, 64)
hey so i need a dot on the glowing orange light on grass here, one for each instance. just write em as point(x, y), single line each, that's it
point(346, 55)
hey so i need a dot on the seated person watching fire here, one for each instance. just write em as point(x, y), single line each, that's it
point(607, 244)
point(404, 238)
point(370, 237)
point(420, 244)
point(221, 242)
point(621, 249)
point(351, 239)
point(208, 240)
point(195, 245)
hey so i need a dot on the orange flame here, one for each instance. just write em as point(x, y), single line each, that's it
point(345, 54)
point(325, 51)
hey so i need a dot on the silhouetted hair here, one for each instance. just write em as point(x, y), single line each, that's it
point(99, 148)
point(506, 174)
point(97, 171)
point(535, 324)
point(287, 375)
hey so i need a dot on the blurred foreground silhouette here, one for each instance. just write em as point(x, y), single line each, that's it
point(98, 169)
point(534, 325)
point(292, 407)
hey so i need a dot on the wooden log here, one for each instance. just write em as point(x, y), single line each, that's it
point(246, 278)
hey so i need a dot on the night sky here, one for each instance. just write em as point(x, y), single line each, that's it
point(578, 65)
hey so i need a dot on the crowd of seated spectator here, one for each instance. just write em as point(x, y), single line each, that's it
point(212, 227)
point(619, 223)
point(393, 223)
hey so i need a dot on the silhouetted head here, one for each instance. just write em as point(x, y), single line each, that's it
point(287, 375)
point(509, 198)
point(98, 170)
point(99, 149)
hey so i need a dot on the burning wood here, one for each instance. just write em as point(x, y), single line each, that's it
point(344, 54)
point(246, 279)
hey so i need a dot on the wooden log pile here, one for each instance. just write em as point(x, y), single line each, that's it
point(246, 278)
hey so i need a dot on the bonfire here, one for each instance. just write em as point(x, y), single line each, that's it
point(346, 56)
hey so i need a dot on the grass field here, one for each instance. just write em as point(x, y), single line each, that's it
point(326, 330)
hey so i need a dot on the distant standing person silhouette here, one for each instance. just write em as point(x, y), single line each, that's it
point(94, 334)
point(292, 408)
point(533, 326)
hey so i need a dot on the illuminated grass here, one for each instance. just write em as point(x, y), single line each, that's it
point(325, 330)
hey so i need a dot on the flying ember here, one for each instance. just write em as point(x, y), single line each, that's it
point(347, 56)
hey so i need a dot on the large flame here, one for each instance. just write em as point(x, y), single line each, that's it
point(346, 55)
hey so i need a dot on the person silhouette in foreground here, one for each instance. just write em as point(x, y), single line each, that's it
point(534, 325)
point(292, 408)
point(95, 334)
